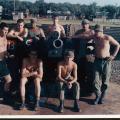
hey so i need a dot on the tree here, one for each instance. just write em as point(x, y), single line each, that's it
point(40, 7)
point(111, 11)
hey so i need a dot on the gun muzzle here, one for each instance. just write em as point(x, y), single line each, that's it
point(58, 43)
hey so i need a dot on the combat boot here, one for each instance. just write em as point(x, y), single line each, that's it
point(76, 106)
point(37, 105)
point(23, 106)
point(61, 107)
point(96, 100)
point(101, 101)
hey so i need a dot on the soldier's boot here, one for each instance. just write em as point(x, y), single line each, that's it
point(37, 105)
point(61, 107)
point(7, 99)
point(76, 106)
point(101, 100)
point(22, 106)
point(96, 100)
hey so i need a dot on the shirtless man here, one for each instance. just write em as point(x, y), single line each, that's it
point(84, 33)
point(32, 68)
point(20, 32)
point(4, 72)
point(67, 76)
point(36, 32)
point(57, 27)
point(103, 59)
point(81, 38)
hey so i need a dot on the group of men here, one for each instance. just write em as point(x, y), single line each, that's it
point(31, 67)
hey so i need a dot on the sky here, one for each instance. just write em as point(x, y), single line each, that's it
point(99, 2)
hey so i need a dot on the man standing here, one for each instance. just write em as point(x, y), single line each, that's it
point(32, 68)
point(56, 27)
point(81, 39)
point(67, 76)
point(4, 72)
point(35, 32)
point(38, 38)
point(20, 34)
point(102, 65)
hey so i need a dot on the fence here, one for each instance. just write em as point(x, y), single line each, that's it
point(107, 21)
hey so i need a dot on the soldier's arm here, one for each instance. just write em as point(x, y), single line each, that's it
point(59, 73)
point(74, 74)
point(24, 36)
point(63, 32)
point(116, 44)
point(42, 34)
point(26, 33)
point(40, 70)
point(11, 33)
point(82, 35)
point(5, 48)
point(24, 71)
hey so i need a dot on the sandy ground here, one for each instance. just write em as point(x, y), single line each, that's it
point(111, 107)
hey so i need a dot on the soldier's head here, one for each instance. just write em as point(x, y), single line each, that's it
point(33, 54)
point(33, 23)
point(20, 23)
point(98, 30)
point(85, 24)
point(68, 56)
point(4, 29)
point(55, 18)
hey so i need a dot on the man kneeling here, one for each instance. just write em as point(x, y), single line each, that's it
point(67, 76)
point(32, 68)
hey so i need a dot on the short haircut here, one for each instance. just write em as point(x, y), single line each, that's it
point(69, 53)
point(85, 21)
point(31, 49)
point(33, 20)
point(2, 25)
point(98, 28)
point(20, 21)
point(54, 16)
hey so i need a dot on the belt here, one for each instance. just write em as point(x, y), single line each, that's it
point(106, 58)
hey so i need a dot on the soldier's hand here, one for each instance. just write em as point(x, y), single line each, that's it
point(35, 73)
point(37, 38)
point(69, 85)
point(111, 58)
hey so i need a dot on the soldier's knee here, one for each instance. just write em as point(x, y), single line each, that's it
point(8, 79)
point(76, 85)
point(60, 86)
point(104, 87)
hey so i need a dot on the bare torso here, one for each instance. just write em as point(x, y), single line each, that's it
point(67, 69)
point(20, 33)
point(33, 32)
point(59, 28)
point(3, 47)
point(102, 47)
point(31, 67)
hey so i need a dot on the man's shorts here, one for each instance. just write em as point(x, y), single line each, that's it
point(3, 69)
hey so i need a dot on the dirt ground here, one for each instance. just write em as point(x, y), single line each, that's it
point(111, 107)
